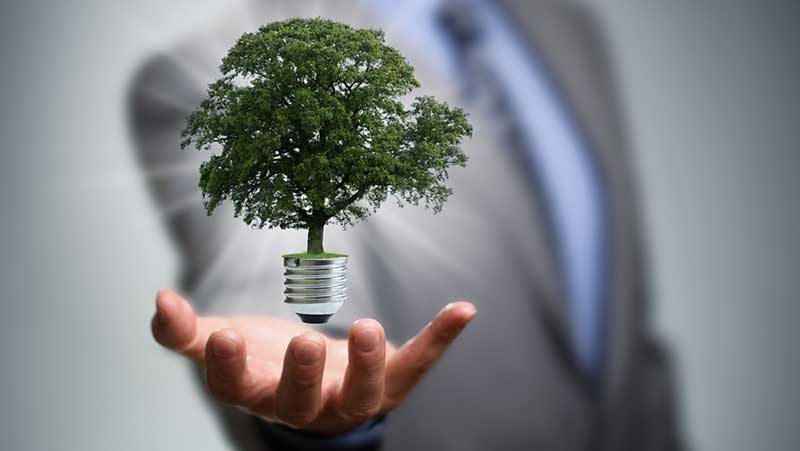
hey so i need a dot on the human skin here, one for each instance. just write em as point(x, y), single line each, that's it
point(286, 372)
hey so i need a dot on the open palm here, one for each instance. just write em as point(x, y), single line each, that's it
point(286, 372)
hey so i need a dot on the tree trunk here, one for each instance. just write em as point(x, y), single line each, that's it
point(315, 233)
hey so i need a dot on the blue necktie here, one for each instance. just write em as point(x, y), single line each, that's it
point(497, 61)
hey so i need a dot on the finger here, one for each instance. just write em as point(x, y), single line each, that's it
point(174, 323)
point(299, 393)
point(227, 376)
point(362, 389)
point(175, 326)
point(410, 363)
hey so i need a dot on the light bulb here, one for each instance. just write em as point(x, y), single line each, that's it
point(315, 287)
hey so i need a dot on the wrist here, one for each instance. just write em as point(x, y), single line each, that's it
point(365, 437)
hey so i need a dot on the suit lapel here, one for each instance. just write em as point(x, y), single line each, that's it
point(566, 40)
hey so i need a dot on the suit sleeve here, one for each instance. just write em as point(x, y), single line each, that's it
point(160, 97)
point(225, 265)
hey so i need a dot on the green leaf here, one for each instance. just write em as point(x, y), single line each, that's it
point(306, 128)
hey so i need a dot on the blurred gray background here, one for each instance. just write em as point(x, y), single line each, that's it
point(711, 92)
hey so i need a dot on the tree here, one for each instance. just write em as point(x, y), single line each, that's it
point(309, 129)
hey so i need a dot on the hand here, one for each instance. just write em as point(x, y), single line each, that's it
point(323, 384)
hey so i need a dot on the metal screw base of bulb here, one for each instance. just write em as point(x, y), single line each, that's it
point(315, 287)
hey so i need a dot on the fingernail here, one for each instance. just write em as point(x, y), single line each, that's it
point(307, 352)
point(367, 339)
point(471, 312)
point(224, 348)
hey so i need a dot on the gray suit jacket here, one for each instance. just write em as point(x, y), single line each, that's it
point(511, 381)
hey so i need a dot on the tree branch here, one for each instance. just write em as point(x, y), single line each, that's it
point(344, 203)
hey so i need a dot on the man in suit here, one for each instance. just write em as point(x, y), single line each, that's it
point(541, 235)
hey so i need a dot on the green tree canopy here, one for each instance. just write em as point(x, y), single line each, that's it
point(311, 130)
